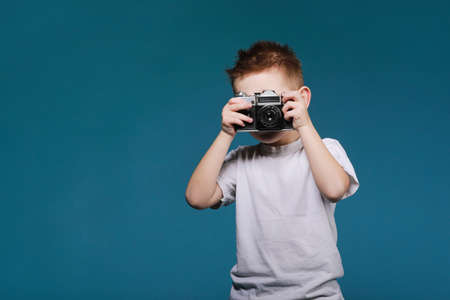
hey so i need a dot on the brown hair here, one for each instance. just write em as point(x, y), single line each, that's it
point(262, 55)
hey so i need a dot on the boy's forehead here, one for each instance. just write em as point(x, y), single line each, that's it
point(268, 79)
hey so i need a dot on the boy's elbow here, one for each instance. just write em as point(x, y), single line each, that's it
point(333, 199)
point(191, 202)
point(336, 194)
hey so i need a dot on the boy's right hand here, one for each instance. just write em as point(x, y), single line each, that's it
point(230, 115)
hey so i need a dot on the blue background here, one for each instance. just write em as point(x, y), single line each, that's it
point(107, 107)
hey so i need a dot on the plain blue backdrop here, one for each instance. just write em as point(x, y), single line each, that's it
point(108, 106)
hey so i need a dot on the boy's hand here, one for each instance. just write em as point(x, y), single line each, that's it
point(230, 115)
point(295, 107)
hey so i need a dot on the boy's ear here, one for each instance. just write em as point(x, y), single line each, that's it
point(305, 94)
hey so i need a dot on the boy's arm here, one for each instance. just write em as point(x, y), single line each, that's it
point(330, 177)
point(332, 172)
point(202, 190)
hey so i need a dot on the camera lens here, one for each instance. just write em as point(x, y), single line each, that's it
point(269, 116)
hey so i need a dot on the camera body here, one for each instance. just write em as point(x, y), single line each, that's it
point(266, 112)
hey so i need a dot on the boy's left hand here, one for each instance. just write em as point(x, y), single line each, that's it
point(295, 108)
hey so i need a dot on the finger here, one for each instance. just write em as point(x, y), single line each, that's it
point(288, 105)
point(229, 121)
point(240, 106)
point(242, 116)
point(234, 120)
point(290, 95)
point(289, 114)
point(236, 100)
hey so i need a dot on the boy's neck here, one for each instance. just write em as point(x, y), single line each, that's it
point(287, 138)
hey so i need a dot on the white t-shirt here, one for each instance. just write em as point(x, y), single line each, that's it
point(285, 229)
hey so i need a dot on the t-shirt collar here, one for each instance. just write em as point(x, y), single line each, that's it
point(281, 149)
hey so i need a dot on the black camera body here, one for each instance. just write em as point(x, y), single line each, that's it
point(266, 112)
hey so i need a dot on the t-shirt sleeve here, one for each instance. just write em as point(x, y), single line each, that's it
point(340, 155)
point(227, 178)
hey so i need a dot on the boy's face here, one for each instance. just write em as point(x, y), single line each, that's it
point(269, 79)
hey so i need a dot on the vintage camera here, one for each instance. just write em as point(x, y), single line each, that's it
point(266, 112)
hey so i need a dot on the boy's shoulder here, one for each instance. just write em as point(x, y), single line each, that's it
point(242, 150)
point(332, 143)
point(329, 141)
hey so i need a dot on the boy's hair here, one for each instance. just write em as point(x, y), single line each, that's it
point(264, 54)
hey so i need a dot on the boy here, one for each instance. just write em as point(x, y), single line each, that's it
point(285, 188)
